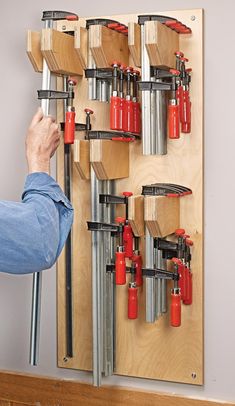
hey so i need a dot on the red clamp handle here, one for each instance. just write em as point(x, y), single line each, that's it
point(189, 287)
point(128, 240)
point(120, 268)
point(186, 112)
point(115, 109)
point(128, 116)
point(132, 303)
point(69, 130)
point(137, 261)
point(173, 121)
point(175, 308)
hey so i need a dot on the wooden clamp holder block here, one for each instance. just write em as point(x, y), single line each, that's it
point(161, 43)
point(161, 215)
point(134, 43)
point(110, 159)
point(81, 153)
point(80, 45)
point(108, 45)
point(34, 50)
point(64, 54)
point(58, 50)
point(136, 214)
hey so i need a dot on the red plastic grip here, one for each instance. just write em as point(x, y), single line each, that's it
point(179, 96)
point(69, 130)
point(182, 280)
point(120, 268)
point(173, 121)
point(132, 303)
point(186, 128)
point(175, 309)
point(128, 116)
point(115, 113)
point(189, 288)
point(136, 118)
point(121, 113)
point(137, 260)
point(128, 240)
point(185, 111)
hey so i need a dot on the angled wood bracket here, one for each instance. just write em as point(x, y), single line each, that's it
point(58, 50)
point(161, 215)
point(34, 50)
point(103, 51)
point(136, 214)
point(81, 153)
point(161, 43)
point(110, 159)
point(134, 42)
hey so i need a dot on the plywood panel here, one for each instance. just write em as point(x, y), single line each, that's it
point(146, 350)
point(48, 391)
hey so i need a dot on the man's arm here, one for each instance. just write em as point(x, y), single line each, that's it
point(32, 233)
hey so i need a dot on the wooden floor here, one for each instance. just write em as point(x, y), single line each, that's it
point(28, 390)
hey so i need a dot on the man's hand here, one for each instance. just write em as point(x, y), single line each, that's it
point(42, 140)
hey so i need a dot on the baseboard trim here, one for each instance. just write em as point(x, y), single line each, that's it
point(42, 391)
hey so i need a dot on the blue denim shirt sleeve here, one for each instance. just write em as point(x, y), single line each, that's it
point(33, 232)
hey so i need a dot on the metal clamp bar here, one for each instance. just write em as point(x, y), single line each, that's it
point(37, 277)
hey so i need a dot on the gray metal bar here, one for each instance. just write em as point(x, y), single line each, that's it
point(37, 277)
point(157, 287)
point(153, 120)
point(96, 283)
point(161, 121)
point(108, 294)
point(145, 75)
point(104, 91)
point(149, 282)
point(98, 90)
point(162, 286)
point(92, 95)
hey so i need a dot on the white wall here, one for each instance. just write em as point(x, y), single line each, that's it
point(18, 102)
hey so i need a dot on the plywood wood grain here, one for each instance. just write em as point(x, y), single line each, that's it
point(134, 43)
point(161, 43)
point(81, 158)
point(161, 215)
point(34, 50)
point(107, 46)
point(110, 159)
point(145, 350)
point(80, 45)
point(136, 214)
point(58, 50)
